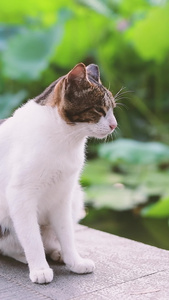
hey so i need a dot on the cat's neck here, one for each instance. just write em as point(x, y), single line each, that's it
point(69, 134)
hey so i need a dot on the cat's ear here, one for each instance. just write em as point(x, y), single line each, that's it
point(77, 74)
point(93, 71)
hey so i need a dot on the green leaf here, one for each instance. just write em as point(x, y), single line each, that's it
point(98, 172)
point(19, 10)
point(106, 189)
point(80, 38)
point(134, 152)
point(150, 35)
point(157, 210)
point(28, 53)
point(98, 6)
point(115, 197)
point(128, 7)
point(9, 101)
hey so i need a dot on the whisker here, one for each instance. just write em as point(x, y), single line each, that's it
point(122, 88)
point(124, 92)
point(120, 94)
point(123, 97)
point(119, 107)
point(121, 104)
point(118, 128)
point(117, 131)
point(116, 134)
point(105, 139)
point(110, 137)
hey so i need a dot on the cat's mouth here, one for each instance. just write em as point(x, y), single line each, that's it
point(103, 136)
point(102, 129)
point(100, 135)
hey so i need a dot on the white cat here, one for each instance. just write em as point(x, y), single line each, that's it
point(42, 150)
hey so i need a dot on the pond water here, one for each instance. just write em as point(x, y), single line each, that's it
point(127, 224)
point(115, 198)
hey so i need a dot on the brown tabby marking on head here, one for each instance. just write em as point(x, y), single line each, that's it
point(42, 99)
point(79, 96)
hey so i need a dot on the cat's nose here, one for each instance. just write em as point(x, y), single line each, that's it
point(113, 126)
point(112, 122)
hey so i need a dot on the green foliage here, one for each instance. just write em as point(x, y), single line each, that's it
point(145, 180)
point(123, 186)
point(134, 152)
point(18, 12)
point(42, 40)
point(98, 6)
point(29, 52)
point(13, 100)
point(157, 210)
point(153, 44)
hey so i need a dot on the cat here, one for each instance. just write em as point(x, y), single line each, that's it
point(42, 153)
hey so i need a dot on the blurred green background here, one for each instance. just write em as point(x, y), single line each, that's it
point(126, 180)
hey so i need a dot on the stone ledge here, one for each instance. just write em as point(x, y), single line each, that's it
point(125, 269)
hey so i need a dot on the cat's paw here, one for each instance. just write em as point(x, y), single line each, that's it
point(41, 276)
point(56, 256)
point(82, 266)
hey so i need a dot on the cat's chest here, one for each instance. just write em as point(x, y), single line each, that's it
point(69, 158)
point(62, 166)
point(69, 164)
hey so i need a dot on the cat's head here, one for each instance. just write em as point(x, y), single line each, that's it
point(82, 99)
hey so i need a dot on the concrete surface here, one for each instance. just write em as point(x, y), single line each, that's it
point(124, 270)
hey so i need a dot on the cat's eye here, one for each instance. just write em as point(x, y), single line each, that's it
point(101, 111)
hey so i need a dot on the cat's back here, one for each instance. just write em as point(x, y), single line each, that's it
point(20, 133)
point(27, 121)
point(37, 137)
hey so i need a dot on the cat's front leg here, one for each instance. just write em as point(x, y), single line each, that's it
point(63, 225)
point(23, 213)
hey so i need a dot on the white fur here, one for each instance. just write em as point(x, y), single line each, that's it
point(41, 158)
